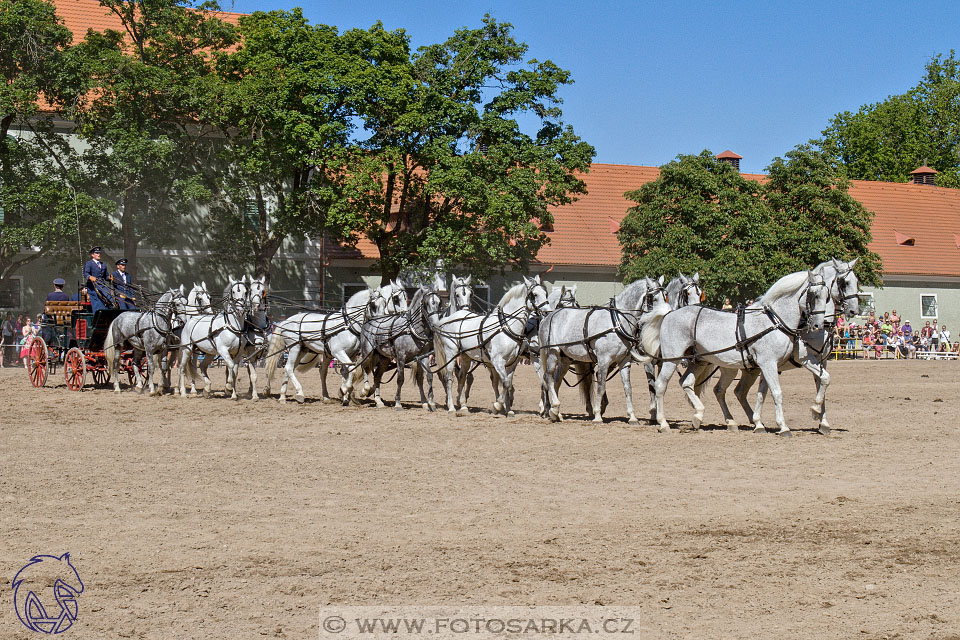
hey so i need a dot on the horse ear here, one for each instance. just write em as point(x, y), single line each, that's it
point(230, 280)
point(181, 289)
point(696, 277)
point(537, 279)
point(204, 285)
point(660, 281)
point(195, 285)
point(853, 262)
point(468, 279)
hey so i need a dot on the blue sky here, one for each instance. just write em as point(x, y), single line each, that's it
point(654, 79)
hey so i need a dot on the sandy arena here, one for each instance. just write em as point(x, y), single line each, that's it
point(217, 519)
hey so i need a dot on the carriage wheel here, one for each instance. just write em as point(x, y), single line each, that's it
point(75, 369)
point(37, 362)
point(100, 376)
point(141, 367)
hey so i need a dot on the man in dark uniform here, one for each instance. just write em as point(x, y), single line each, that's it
point(58, 294)
point(122, 281)
point(95, 275)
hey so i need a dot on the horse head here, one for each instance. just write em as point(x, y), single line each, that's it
point(536, 295)
point(568, 297)
point(815, 303)
point(847, 293)
point(396, 297)
point(461, 293)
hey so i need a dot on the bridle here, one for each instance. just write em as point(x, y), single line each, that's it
point(810, 299)
point(537, 308)
point(688, 288)
point(467, 292)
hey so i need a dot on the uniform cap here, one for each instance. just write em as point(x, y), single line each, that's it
point(96, 250)
point(59, 282)
point(122, 261)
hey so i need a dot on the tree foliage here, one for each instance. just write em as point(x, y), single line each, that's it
point(282, 105)
point(741, 235)
point(889, 139)
point(447, 171)
point(147, 91)
point(41, 212)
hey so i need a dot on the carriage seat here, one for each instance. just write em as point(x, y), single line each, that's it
point(59, 311)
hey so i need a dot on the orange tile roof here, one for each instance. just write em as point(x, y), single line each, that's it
point(81, 15)
point(584, 233)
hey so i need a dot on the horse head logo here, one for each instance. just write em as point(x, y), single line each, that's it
point(45, 593)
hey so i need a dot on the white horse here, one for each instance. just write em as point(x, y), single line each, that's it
point(216, 334)
point(311, 337)
point(761, 336)
point(597, 340)
point(811, 351)
point(495, 339)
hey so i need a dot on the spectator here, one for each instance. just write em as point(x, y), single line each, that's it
point(907, 331)
point(912, 344)
point(934, 337)
point(7, 334)
point(894, 318)
point(867, 344)
point(944, 339)
point(28, 332)
point(886, 327)
point(57, 294)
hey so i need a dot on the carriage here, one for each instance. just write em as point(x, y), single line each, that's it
point(72, 336)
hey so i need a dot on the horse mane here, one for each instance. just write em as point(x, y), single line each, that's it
point(513, 293)
point(786, 286)
point(630, 289)
point(359, 299)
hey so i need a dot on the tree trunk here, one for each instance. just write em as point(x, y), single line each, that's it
point(263, 257)
point(388, 268)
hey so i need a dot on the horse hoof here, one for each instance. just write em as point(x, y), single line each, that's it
point(633, 420)
point(759, 429)
point(824, 429)
point(255, 399)
point(597, 420)
point(397, 407)
point(432, 406)
point(786, 433)
point(323, 400)
point(815, 411)
point(463, 411)
point(301, 399)
point(696, 423)
point(510, 414)
point(664, 428)
point(497, 407)
point(732, 427)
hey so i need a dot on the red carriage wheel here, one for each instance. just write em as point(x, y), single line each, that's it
point(75, 369)
point(37, 362)
point(100, 376)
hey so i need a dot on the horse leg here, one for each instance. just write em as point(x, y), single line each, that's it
point(153, 362)
point(449, 371)
point(758, 409)
point(461, 372)
point(290, 371)
point(771, 376)
point(720, 393)
point(551, 382)
point(628, 391)
point(819, 408)
point(204, 366)
point(231, 371)
point(688, 382)
point(252, 373)
point(650, 370)
point(495, 383)
point(378, 371)
point(663, 379)
point(182, 359)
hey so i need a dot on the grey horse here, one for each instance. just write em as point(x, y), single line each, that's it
point(150, 332)
point(762, 336)
point(811, 351)
point(597, 340)
point(402, 338)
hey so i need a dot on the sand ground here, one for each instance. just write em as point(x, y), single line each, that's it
point(206, 518)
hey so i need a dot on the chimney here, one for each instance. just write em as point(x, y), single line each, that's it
point(730, 158)
point(924, 175)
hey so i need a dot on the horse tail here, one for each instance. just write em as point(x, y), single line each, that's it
point(586, 383)
point(650, 336)
point(275, 350)
point(440, 356)
point(109, 349)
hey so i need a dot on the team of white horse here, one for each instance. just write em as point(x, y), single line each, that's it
point(663, 327)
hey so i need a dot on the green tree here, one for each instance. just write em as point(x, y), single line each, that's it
point(889, 139)
point(446, 171)
point(702, 215)
point(40, 212)
point(815, 217)
point(282, 106)
point(142, 120)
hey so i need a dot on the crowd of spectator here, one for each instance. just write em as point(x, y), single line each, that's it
point(895, 337)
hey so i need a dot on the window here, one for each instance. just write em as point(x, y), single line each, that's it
point(867, 304)
point(928, 306)
point(251, 214)
point(481, 294)
point(11, 293)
